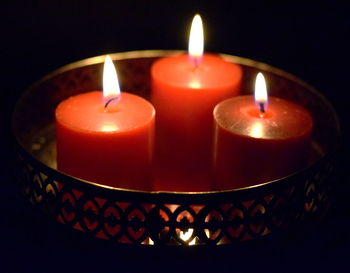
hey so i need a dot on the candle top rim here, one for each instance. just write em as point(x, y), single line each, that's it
point(123, 118)
point(285, 118)
point(214, 71)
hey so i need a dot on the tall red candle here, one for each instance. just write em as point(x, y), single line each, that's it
point(185, 90)
point(255, 143)
point(106, 140)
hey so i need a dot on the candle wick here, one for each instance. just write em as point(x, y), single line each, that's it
point(196, 61)
point(262, 107)
point(110, 100)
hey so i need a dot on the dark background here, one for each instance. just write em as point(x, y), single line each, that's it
point(308, 39)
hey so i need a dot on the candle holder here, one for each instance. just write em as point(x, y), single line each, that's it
point(169, 218)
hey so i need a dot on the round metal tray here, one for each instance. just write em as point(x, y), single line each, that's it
point(169, 218)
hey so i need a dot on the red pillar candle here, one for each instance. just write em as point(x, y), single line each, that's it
point(106, 139)
point(185, 90)
point(254, 143)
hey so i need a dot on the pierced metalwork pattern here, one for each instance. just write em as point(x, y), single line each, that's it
point(210, 222)
point(161, 218)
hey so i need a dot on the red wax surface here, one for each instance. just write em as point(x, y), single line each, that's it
point(184, 97)
point(252, 149)
point(112, 146)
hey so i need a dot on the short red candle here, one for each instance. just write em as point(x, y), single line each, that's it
point(252, 148)
point(107, 137)
point(261, 141)
point(185, 90)
point(111, 146)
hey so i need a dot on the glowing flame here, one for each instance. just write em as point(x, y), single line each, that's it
point(195, 84)
point(111, 91)
point(186, 235)
point(196, 41)
point(261, 92)
point(256, 130)
point(109, 128)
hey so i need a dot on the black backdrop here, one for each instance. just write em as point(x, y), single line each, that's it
point(309, 40)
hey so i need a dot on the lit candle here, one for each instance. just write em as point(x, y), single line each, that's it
point(185, 90)
point(106, 138)
point(261, 141)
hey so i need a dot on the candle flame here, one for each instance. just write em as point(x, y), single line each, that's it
point(261, 92)
point(111, 90)
point(196, 40)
